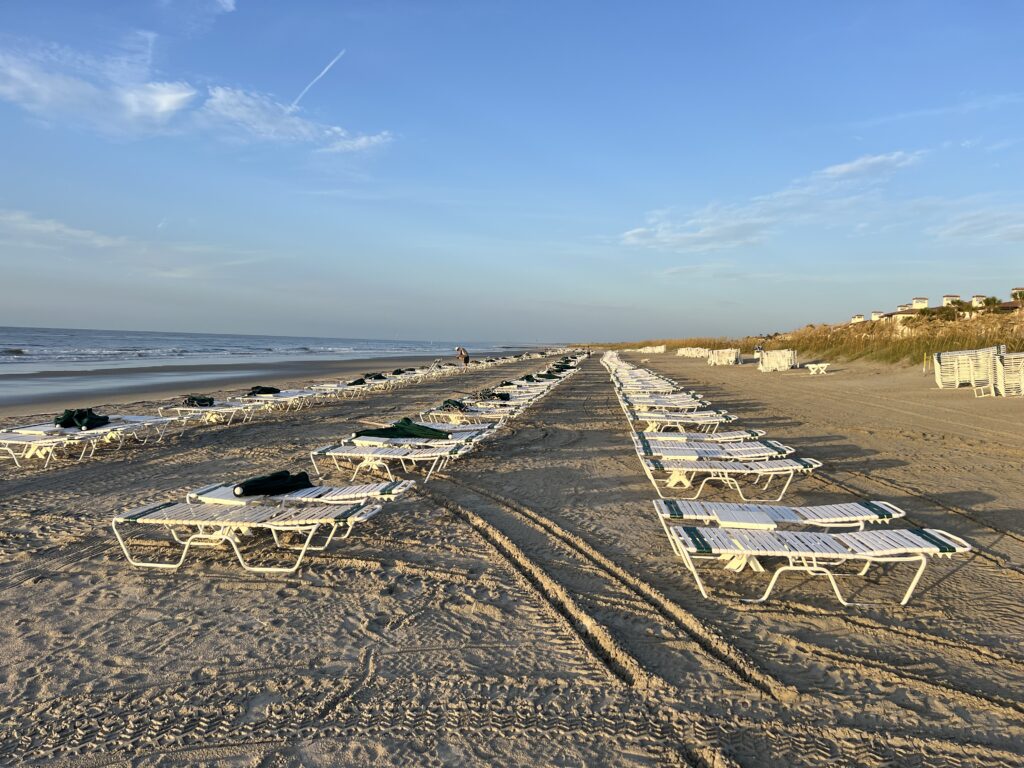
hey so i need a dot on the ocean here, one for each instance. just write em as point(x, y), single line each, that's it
point(73, 365)
point(33, 350)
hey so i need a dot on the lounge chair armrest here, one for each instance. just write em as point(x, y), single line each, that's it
point(893, 509)
point(365, 514)
point(960, 544)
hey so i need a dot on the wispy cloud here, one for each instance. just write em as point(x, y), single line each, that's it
point(115, 93)
point(120, 94)
point(195, 16)
point(23, 229)
point(977, 104)
point(872, 164)
point(713, 228)
point(249, 116)
point(315, 80)
point(1002, 224)
point(823, 196)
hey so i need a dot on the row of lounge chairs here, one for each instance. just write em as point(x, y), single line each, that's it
point(741, 535)
point(695, 453)
point(443, 434)
point(301, 517)
point(45, 443)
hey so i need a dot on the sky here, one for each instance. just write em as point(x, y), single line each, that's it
point(504, 169)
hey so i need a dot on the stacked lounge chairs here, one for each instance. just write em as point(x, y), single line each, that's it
point(740, 535)
point(724, 357)
point(770, 360)
point(989, 371)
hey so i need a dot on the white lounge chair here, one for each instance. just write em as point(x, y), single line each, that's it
point(656, 421)
point(849, 515)
point(663, 403)
point(212, 525)
point(19, 448)
point(683, 473)
point(816, 554)
point(733, 436)
point(223, 493)
point(221, 412)
point(693, 449)
point(371, 457)
point(286, 400)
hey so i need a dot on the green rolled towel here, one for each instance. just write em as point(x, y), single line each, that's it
point(274, 483)
point(405, 428)
point(453, 405)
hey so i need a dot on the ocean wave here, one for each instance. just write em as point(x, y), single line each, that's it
point(44, 346)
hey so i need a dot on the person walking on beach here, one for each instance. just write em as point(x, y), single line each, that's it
point(463, 355)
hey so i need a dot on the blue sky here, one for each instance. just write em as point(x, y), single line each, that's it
point(504, 170)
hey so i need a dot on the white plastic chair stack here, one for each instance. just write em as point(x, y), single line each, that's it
point(692, 352)
point(966, 367)
point(1010, 375)
point(723, 357)
point(776, 360)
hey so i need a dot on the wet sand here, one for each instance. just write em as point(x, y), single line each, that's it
point(525, 607)
point(33, 393)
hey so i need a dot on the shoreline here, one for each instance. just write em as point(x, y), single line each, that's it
point(108, 387)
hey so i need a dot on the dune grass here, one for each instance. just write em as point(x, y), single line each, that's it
point(910, 342)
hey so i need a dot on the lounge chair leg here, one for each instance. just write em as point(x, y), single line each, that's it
point(149, 564)
point(275, 569)
point(693, 570)
point(917, 578)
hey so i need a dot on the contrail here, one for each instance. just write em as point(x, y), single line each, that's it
point(316, 79)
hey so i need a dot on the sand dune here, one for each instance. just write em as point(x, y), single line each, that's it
point(525, 607)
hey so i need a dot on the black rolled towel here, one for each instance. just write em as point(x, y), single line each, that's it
point(490, 394)
point(281, 481)
point(198, 401)
point(357, 382)
point(259, 390)
point(453, 405)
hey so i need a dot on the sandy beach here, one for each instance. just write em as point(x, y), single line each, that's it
point(525, 607)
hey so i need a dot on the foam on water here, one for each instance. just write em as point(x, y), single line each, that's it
point(25, 350)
